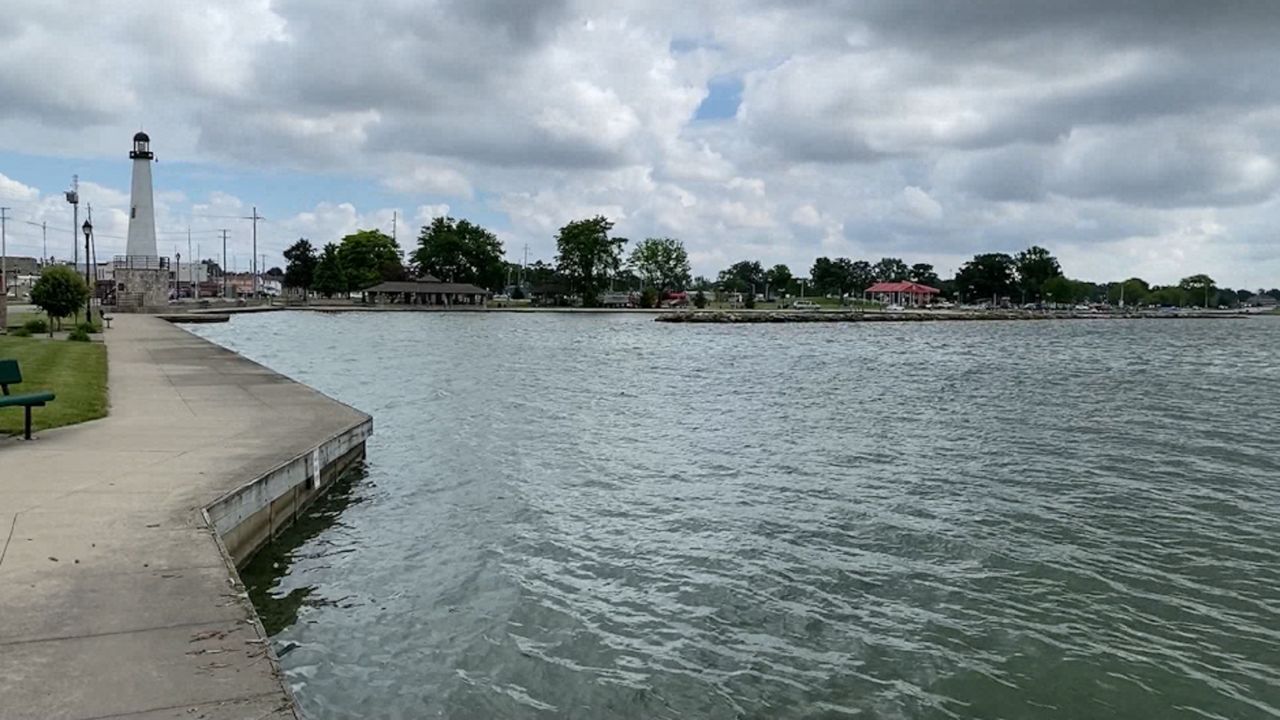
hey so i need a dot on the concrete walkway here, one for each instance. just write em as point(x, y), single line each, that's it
point(115, 598)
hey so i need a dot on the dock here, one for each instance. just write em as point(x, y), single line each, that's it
point(120, 537)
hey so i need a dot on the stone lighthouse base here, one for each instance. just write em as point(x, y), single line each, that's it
point(141, 289)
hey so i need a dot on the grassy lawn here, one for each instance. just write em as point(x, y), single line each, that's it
point(75, 371)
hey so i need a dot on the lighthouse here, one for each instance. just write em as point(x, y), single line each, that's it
point(142, 214)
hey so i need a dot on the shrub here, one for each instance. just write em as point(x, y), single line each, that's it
point(749, 301)
point(88, 327)
point(700, 300)
point(648, 298)
point(35, 326)
point(21, 332)
point(78, 335)
point(517, 293)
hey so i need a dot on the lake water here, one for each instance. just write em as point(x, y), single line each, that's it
point(599, 516)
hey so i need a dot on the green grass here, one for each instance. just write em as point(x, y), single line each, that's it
point(76, 372)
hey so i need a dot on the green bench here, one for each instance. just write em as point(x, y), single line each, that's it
point(11, 375)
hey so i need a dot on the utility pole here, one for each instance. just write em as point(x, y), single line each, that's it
point(73, 197)
point(255, 217)
point(195, 286)
point(191, 277)
point(4, 253)
point(224, 264)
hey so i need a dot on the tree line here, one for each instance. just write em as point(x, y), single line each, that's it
point(589, 261)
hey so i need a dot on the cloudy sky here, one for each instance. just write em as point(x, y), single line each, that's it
point(1130, 137)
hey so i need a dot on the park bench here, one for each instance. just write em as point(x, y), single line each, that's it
point(11, 375)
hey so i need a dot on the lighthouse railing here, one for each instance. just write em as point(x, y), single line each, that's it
point(140, 262)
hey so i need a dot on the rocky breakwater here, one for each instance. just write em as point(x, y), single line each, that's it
point(792, 316)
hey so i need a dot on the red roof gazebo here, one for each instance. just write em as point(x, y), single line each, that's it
point(907, 294)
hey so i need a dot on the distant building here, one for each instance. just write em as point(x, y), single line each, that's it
point(904, 293)
point(425, 291)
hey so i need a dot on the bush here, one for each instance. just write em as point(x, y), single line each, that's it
point(749, 301)
point(88, 327)
point(20, 332)
point(648, 298)
point(35, 326)
point(78, 335)
point(517, 293)
point(700, 300)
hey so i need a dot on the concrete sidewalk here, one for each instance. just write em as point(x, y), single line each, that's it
point(115, 598)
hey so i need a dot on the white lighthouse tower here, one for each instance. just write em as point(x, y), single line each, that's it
point(142, 213)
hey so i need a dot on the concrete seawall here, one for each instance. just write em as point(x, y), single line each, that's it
point(120, 538)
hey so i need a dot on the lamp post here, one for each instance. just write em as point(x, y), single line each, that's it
point(88, 301)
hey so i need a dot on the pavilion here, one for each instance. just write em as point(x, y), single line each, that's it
point(425, 291)
point(904, 293)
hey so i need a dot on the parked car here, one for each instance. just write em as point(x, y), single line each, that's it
point(805, 305)
point(894, 308)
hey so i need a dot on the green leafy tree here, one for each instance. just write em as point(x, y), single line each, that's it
point(842, 276)
point(1169, 296)
point(986, 276)
point(461, 251)
point(923, 273)
point(368, 258)
point(662, 263)
point(1033, 267)
point(60, 291)
point(779, 278)
point(890, 270)
point(745, 276)
point(1133, 291)
point(587, 256)
point(330, 276)
point(1200, 289)
point(300, 268)
point(1058, 290)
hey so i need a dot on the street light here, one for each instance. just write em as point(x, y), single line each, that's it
point(88, 301)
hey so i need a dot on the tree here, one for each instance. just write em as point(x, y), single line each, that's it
point(60, 291)
point(661, 263)
point(778, 278)
point(989, 275)
point(700, 300)
point(330, 276)
point(1170, 296)
point(1133, 291)
point(841, 276)
point(300, 268)
point(1034, 266)
point(745, 276)
point(586, 256)
point(461, 251)
point(368, 258)
point(923, 273)
point(1059, 290)
point(1199, 289)
point(890, 270)
point(275, 272)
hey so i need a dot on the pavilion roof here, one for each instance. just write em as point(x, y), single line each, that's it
point(426, 286)
point(903, 287)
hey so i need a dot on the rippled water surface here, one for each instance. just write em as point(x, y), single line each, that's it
point(598, 516)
